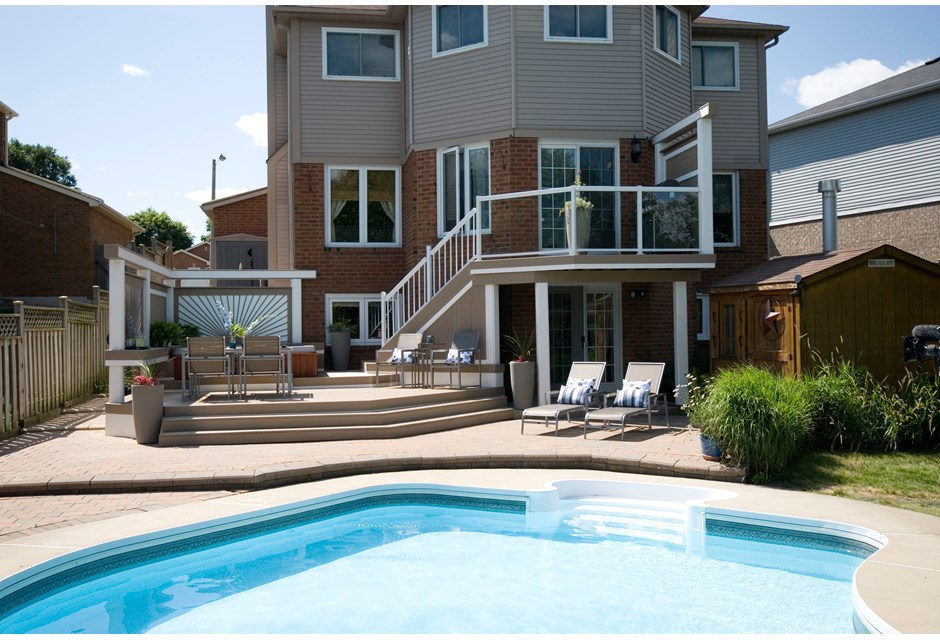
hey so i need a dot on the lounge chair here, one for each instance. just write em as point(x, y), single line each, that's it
point(205, 356)
point(261, 355)
point(403, 354)
point(638, 394)
point(461, 355)
point(579, 393)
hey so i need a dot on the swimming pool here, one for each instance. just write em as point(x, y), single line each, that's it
point(577, 557)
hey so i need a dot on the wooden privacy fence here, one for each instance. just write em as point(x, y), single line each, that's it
point(49, 356)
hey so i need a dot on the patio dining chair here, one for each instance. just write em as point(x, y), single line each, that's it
point(205, 356)
point(403, 354)
point(261, 355)
point(638, 394)
point(579, 393)
point(461, 355)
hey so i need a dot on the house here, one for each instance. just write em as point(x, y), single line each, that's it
point(854, 304)
point(53, 235)
point(421, 159)
point(239, 230)
point(196, 257)
point(882, 143)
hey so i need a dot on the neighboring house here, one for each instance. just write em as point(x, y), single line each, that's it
point(52, 235)
point(239, 232)
point(387, 122)
point(196, 257)
point(883, 144)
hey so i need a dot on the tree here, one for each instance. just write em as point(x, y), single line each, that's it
point(208, 234)
point(161, 225)
point(41, 160)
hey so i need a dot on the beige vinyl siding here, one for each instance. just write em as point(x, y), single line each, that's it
point(668, 94)
point(279, 232)
point(348, 118)
point(406, 78)
point(464, 93)
point(280, 101)
point(739, 128)
point(574, 85)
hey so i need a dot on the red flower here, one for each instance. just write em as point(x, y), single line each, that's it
point(145, 380)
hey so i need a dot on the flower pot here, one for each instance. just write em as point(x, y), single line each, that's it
point(522, 382)
point(339, 349)
point(148, 412)
point(583, 221)
point(710, 449)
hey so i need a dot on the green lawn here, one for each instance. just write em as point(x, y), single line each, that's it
point(903, 480)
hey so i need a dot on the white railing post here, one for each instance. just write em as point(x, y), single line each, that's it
point(384, 312)
point(479, 228)
point(428, 275)
point(571, 224)
point(639, 221)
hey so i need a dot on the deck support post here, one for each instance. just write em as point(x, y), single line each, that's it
point(542, 345)
point(680, 329)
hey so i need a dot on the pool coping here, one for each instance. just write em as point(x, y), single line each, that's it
point(895, 585)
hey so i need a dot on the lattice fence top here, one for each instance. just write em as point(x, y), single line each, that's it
point(81, 313)
point(42, 318)
point(8, 325)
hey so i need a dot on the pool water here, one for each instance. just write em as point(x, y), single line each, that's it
point(427, 568)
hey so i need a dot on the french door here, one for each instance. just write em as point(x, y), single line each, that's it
point(584, 323)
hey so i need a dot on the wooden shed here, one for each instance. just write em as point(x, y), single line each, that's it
point(856, 303)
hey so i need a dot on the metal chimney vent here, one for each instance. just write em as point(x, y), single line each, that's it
point(829, 189)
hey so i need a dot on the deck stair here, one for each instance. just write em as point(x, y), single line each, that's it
point(337, 414)
point(618, 518)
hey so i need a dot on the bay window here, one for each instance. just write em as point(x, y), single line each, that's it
point(586, 23)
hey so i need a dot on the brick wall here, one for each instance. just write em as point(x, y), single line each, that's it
point(419, 206)
point(246, 216)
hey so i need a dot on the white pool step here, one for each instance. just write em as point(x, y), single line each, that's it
point(624, 518)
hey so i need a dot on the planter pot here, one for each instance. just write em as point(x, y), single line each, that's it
point(148, 412)
point(583, 221)
point(710, 449)
point(522, 381)
point(339, 349)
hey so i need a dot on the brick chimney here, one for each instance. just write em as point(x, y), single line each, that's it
point(6, 114)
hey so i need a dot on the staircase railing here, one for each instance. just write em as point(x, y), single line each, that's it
point(461, 246)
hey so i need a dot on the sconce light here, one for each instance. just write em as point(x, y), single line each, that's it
point(636, 148)
point(637, 293)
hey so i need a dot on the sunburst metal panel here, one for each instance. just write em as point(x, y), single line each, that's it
point(211, 313)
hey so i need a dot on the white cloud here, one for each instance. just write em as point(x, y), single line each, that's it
point(838, 80)
point(205, 195)
point(133, 70)
point(255, 126)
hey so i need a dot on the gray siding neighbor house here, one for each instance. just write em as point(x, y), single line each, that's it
point(882, 143)
point(424, 160)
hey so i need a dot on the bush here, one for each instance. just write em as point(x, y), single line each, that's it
point(848, 406)
point(912, 416)
point(759, 419)
point(168, 334)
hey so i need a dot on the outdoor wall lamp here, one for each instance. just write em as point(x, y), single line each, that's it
point(636, 149)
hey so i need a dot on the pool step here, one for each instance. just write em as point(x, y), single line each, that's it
point(629, 519)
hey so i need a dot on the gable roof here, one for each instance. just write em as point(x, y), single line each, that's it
point(7, 112)
point(706, 25)
point(921, 79)
point(782, 272)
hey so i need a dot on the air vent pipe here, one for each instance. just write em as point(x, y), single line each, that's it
point(829, 189)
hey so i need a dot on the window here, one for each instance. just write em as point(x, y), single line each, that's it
point(458, 27)
point(362, 311)
point(725, 216)
point(362, 206)
point(666, 31)
point(363, 54)
point(701, 317)
point(464, 174)
point(559, 165)
point(578, 23)
point(715, 65)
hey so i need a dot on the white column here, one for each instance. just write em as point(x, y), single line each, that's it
point(491, 311)
point(116, 325)
point(706, 224)
point(145, 311)
point(680, 329)
point(171, 301)
point(542, 355)
point(295, 311)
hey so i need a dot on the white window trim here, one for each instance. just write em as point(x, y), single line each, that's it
point(607, 40)
point(385, 32)
point(465, 177)
point(363, 299)
point(706, 327)
point(736, 208)
point(577, 160)
point(363, 199)
point(678, 58)
point(737, 66)
point(436, 53)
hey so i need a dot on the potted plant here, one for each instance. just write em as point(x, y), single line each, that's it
point(696, 409)
point(340, 337)
point(583, 209)
point(147, 404)
point(521, 368)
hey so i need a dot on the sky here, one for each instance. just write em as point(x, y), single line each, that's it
point(141, 99)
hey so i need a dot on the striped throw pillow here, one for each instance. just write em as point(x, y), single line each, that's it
point(576, 391)
point(635, 393)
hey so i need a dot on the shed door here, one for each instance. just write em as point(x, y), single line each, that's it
point(242, 254)
point(771, 331)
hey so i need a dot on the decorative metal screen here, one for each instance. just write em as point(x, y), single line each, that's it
point(269, 313)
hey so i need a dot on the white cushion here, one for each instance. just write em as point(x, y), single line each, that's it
point(464, 357)
point(576, 391)
point(398, 355)
point(635, 393)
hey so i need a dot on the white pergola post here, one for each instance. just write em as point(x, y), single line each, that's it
point(542, 355)
point(706, 224)
point(491, 313)
point(680, 331)
point(296, 307)
point(171, 302)
point(145, 310)
point(116, 327)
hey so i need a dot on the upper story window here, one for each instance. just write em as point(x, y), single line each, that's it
point(464, 174)
point(666, 31)
point(360, 54)
point(458, 27)
point(725, 215)
point(578, 23)
point(363, 206)
point(715, 65)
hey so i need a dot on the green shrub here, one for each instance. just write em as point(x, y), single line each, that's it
point(166, 334)
point(848, 406)
point(759, 419)
point(912, 415)
point(190, 331)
